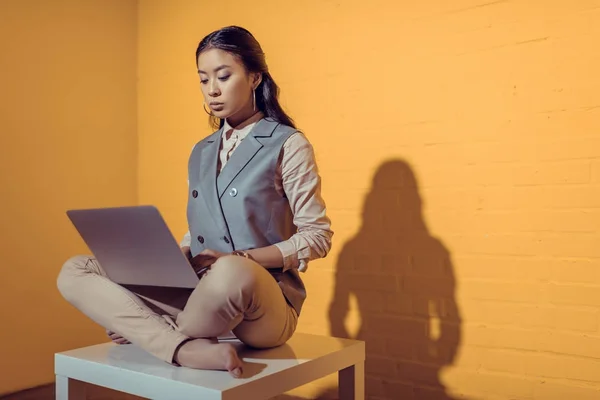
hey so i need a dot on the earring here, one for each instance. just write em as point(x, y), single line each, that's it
point(204, 107)
point(254, 99)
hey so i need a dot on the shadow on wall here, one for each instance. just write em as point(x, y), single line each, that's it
point(402, 281)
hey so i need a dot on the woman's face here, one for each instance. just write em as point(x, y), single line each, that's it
point(226, 85)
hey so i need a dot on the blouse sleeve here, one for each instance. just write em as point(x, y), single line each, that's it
point(300, 180)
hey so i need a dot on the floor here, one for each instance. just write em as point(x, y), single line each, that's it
point(46, 392)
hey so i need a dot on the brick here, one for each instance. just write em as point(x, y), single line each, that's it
point(487, 383)
point(570, 344)
point(560, 125)
point(315, 328)
point(403, 349)
point(502, 337)
point(320, 276)
point(585, 271)
point(503, 291)
point(394, 263)
point(399, 304)
point(469, 358)
point(560, 391)
point(417, 373)
point(554, 221)
point(480, 335)
point(438, 352)
point(523, 269)
point(566, 172)
point(552, 173)
point(568, 245)
point(381, 367)
point(470, 153)
point(539, 197)
point(451, 198)
point(428, 258)
point(435, 306)
point(494, 244)
point(492, 312)
point(563, 318)
point(348, 198)
point(577, 196)
point(375, 346)
point(516, 221)
point(510, 151)
point(399, 390)
point(507, 361)
point(542, 365)
point(344, 221)
point(432, 286)
point(596, 171)
point(431, 393)
point(410, 329)
point(348, 300)
point(567, 148)
point(374, 386)
point(532, 316)
point(556, 245)
point(362, 282)
point(382, 263)
point(585, 295)
point(371, 301)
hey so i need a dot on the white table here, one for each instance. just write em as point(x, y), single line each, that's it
point(267, 373)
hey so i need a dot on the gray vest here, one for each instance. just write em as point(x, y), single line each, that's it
point(239, 209)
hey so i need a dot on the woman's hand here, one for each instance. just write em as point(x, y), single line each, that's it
point(115, 337)
point(205, 259)
point(213, 253)
point(187, 252)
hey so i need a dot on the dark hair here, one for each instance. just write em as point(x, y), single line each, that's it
point(240, 42)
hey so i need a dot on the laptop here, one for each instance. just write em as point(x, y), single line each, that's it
point(134, 246)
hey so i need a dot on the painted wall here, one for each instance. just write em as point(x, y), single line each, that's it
point(460, 154)
point(459, 146)
point(68, 139)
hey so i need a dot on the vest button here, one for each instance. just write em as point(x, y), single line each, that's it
point(200, 239)
point(194, 193)
point(225, 239)
point(233, 192)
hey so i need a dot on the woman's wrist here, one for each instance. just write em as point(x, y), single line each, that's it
point(269, 257)
point(243, 253)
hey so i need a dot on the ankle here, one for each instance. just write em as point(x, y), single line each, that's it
point(175, 359)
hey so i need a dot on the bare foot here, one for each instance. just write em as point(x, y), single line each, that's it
point(209, 354)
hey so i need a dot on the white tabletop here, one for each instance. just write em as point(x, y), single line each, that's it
point(267, 373)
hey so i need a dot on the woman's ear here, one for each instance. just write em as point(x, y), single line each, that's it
point(256, 79)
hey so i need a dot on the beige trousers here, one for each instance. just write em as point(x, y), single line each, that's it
point(236, 294)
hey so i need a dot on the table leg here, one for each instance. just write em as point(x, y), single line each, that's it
point(352, 382)
point(69, 389)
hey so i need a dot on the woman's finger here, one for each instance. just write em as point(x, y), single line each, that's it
point(208, 252)
point(202, 261)
point(116, 338)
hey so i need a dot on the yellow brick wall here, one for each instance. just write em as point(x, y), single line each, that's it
point(459, 146)
point(67, 140)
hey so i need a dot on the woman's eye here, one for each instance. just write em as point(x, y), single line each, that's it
point(203, 81)
point(224, 78)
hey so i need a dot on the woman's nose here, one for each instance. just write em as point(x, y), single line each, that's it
point(213, 90)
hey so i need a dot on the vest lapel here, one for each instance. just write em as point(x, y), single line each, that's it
point(243, 154)
point(208, 179)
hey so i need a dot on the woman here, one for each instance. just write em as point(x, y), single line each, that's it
point(255, 215)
